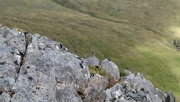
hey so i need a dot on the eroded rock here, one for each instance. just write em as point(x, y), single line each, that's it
point(45, 64)
point(14, 38)
point(170, 97)
point(11, 47)
point(96, 84)
point(44, 71)
point(93, 60)
point(67, 93)
point(111, 68)
point(5, 97)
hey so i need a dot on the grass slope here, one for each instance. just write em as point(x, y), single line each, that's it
point(136, 35)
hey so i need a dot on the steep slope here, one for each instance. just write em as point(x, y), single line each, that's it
point(136, 35)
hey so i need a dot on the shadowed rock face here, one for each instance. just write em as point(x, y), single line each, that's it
point(34, 68)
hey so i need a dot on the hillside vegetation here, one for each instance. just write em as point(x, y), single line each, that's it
point(135, 34)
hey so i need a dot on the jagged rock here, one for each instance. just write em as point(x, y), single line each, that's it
point(9, 61)
point(143, 89)
point(137, 89)
point(111, 68)
point(10, 57)
point(170, 97)
point(46, 63)
point(161, 94)
point(114, 93)
point(8, 84)
point(44, 71)
point(5, 97)
point(96, 84)
point(93, 60)
point(40, 86)
point(14, 38)
point(66, 93)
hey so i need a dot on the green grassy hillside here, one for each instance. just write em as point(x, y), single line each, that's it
point(135, 34)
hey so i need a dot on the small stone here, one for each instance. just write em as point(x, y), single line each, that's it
point(28, 36)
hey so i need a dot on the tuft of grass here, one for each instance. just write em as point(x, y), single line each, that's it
point(98, 70)
point(1, 90)
point(122, 74)
point(19, 29)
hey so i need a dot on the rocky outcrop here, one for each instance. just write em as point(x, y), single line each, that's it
point(34, 68)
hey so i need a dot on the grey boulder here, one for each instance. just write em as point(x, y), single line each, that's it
point(111, 68)
point(96, 85)
point(93, 60)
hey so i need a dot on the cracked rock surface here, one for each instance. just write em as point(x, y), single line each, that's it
point(34, 68)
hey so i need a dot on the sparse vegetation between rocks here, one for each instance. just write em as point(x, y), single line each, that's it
point(98, 70)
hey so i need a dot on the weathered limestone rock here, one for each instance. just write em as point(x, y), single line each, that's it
point(12, 44)
point(5, 97)
point(10, 60)
point(23, 96)
point(66, 93)
point(93, 60)
point(111, 68)
point(45, 64)
point(161, 94)
point(14, 38)
point(170, 97)
point(96, 84)
point(114, 93)
point(44, 71)
point(143, 89)
point(8, 84)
